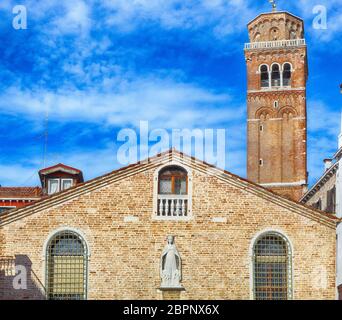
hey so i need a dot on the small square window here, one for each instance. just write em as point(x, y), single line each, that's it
point(66, 184)
point(53, 186)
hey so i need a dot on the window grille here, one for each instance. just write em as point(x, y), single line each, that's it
point(272, 268)
point(66, 267)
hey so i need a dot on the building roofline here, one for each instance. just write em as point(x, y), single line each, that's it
point(59, 165)
point(337, 153)
point(319, 182)
point(172, 154)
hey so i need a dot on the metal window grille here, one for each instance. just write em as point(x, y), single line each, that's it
point(66, 267)
point(272, 268)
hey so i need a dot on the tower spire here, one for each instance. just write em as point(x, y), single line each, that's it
point(274, 5)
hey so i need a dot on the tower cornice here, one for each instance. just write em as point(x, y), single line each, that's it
point(273, 13)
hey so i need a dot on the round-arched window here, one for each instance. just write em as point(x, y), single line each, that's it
point(66, 267)
point(272, 267)
point(173, 180)
point(264, 75)
point(287, 75)
point(275, 75)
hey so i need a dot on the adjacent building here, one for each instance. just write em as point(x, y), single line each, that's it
point(53, 179)
point(17, 197)
point(326, 195)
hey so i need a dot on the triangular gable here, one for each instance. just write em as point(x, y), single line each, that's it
point(154, 162)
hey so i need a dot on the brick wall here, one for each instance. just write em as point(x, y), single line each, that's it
point(124, 256)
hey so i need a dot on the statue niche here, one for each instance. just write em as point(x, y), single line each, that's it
point(170, 266)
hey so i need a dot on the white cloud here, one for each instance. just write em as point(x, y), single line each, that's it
point(18, 175)
point(323, 118)
point(158, 101)
point(334, 21)
point(76, 18)
point(221, 16)
point(94, 163)
point(323, 129)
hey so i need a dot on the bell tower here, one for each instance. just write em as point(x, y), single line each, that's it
point(277, 72)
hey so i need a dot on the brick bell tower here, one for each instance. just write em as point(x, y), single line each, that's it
point(277, 72)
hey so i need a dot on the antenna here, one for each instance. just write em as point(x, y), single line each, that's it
point(274, 5)
point(46, 135)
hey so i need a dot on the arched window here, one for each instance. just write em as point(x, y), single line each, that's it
point(272, 267)
point(275, 75)
point(173, 180)
point(287, 74)
point(173, 199)
point(66, 267)
point(265, 77)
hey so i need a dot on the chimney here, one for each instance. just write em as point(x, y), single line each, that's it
point(327, 164)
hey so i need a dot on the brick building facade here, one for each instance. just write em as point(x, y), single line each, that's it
point(118, 219)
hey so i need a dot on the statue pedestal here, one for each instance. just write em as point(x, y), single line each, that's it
point(180, 288)
point(172, 293)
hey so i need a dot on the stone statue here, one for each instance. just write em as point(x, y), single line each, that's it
point(170, 267)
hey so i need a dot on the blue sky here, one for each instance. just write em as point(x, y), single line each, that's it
point(99, 66)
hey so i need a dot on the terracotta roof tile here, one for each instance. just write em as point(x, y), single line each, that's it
point(20, 192)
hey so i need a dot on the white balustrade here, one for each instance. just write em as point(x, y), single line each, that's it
point(275, 44)
point(172, 206)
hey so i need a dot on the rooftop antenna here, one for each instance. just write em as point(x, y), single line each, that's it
point(274, 5)
point(46, 135)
